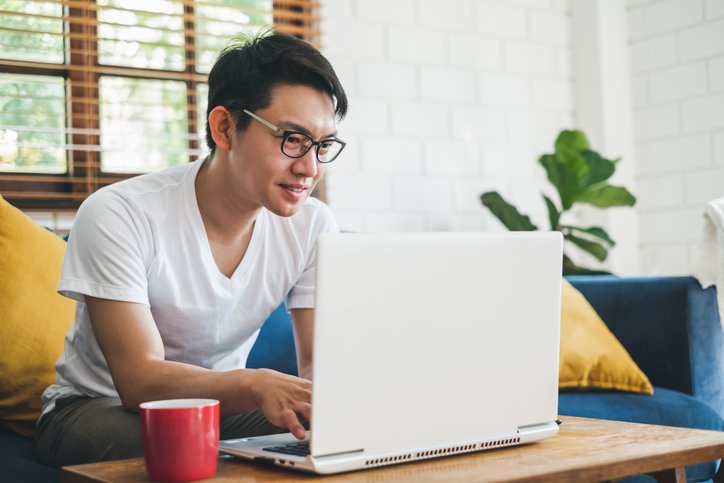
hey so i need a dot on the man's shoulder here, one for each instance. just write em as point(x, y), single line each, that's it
point(145, 196)
point(154, 182)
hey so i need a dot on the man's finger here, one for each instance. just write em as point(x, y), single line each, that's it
point(305, 394)
point(305, 409)
point(291, 422)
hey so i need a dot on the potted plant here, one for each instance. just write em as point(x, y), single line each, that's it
point(580, 175)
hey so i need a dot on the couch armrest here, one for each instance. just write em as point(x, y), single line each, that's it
point(669, 325)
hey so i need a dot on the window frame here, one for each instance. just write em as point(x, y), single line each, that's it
point(82, 72)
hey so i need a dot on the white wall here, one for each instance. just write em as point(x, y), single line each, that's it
point(447, 100)
point(677, 66)
point(450, 99)
point(604, 112)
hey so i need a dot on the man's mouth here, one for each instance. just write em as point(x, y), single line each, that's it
point(294, 188)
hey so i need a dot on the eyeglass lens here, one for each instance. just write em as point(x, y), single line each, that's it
point(296, 145)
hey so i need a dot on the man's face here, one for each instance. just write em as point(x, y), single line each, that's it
point(263, 176)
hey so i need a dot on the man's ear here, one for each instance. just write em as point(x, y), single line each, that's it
point(222, 126)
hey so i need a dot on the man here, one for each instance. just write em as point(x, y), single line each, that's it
point(174, 272)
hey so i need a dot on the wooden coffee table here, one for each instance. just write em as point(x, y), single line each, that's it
point(584, 450)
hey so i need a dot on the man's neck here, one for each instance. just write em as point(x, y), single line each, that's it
point(225, 217)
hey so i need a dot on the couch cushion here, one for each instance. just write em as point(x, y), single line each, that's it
point(591, 356)
point(665, 407)
point(274, 348)
point(33, 317)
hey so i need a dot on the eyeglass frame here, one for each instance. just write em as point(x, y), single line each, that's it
point(285, 135)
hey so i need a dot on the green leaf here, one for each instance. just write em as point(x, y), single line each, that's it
point(553, 213)
point(565, 176)
point(596, 231)
point(592, 247)
point(570, 268)
point(578, 270)
point(604, 196)
point(569, 144)
point(550, 164)
point(599, 169)
point(506, 213)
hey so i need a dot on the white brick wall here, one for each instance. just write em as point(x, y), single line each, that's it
point(447, 85)
point(716, 73)
point(673, 155)
point(678, 83)
point(704, 185)
point(500, 21)
point(650, 53)
point(718, 149)
point(447, 100)
point(677, 64)
point(702, 41)
point(670, 15)
point(386, 80)
point(703, 114)
point(714, 9)
point(385, 155)
point(656, 122)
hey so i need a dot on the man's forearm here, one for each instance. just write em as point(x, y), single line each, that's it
point(303, 320)
point(154, 380)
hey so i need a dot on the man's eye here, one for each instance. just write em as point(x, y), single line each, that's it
point(295, 139)
point(325, 145)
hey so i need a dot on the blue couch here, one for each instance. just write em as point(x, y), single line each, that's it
point(671, 328)
point(669, 325)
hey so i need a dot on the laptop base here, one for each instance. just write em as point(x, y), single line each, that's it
point(254, 449)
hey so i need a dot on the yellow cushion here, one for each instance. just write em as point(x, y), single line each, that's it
point(33, 317)
point(591, 356)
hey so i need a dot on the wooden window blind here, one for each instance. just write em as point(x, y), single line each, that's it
point(96, 91)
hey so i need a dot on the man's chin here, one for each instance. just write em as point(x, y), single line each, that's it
point(286, 210)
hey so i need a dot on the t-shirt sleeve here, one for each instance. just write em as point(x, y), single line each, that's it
point(302, 294)
point(107, 252)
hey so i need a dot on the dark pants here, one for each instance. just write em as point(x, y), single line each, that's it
point(87, 430)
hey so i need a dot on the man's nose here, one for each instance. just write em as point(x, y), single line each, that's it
point(307, 164)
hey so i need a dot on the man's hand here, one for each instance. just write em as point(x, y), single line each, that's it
point(283, 399)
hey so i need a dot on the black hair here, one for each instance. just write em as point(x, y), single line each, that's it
point(249, 68)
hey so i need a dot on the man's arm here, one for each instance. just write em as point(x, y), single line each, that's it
point(303, 320)
point(132, 346)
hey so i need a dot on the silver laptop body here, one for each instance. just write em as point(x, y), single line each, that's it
point(427, 345)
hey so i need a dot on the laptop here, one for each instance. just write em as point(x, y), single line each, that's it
point(426, 345)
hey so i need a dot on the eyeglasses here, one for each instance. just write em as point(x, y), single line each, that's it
point(296, 144)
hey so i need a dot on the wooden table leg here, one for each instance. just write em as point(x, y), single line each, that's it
point(673, 475)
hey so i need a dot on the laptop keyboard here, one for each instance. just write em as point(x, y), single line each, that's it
point(295, 449)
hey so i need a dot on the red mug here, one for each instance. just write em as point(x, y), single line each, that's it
point(180, 438)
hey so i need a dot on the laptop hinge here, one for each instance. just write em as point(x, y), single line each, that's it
point(529, 427)
point(337, 455)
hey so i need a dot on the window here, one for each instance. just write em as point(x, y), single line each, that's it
point(96, 91)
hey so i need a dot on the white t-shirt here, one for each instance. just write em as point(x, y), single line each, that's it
point(143, 241)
